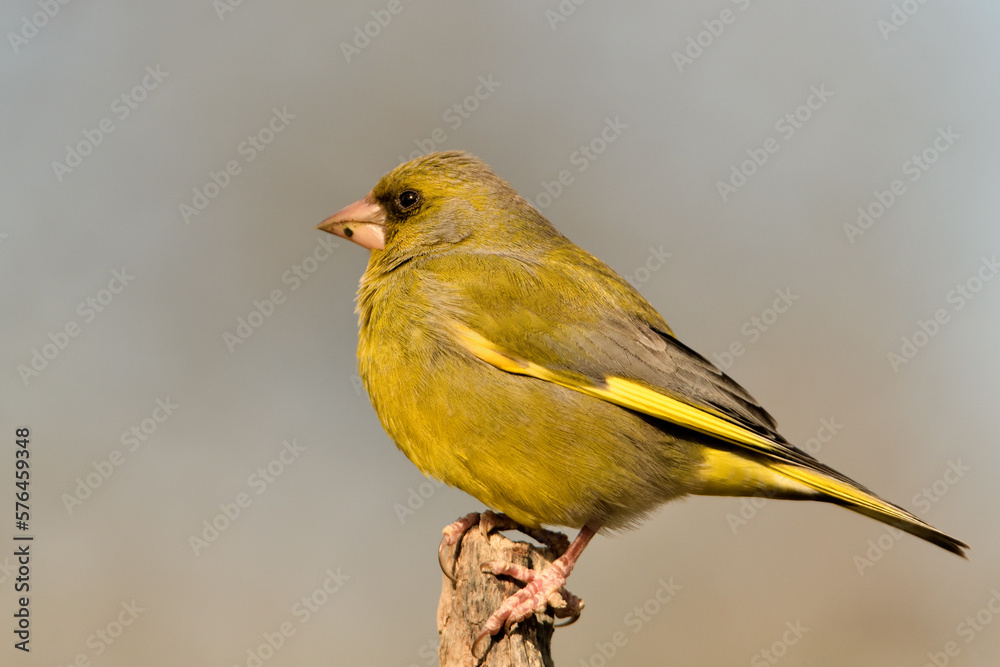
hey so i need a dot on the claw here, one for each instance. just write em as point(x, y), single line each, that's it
point(479, 644)
point(491, 521)
point(572, 619)
point(452, 534)
point(572, 610)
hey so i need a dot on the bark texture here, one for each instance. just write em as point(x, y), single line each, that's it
point(467, 602)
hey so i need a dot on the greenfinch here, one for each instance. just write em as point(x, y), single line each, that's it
point(506, 361)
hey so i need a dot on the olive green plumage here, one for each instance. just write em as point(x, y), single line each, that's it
point(506, 361)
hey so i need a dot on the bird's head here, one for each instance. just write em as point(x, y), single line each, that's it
point(437, 200)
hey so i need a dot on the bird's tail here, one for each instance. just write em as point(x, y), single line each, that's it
point(732, 473)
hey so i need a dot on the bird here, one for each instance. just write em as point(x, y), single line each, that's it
point(506, 361)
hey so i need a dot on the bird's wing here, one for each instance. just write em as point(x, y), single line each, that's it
point(582, 320)
point(659, 388)
point(579, 325)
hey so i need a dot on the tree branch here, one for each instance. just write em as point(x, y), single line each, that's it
point(467, 602)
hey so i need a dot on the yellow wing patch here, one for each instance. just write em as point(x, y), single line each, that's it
point(625, 393)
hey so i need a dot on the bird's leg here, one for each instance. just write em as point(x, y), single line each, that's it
point(541, 589)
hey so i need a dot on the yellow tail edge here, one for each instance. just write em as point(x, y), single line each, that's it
point(726, 473)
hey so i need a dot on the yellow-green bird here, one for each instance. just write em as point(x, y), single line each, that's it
point(508, 362)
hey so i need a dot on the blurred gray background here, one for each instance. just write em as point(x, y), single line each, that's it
point(167, 385)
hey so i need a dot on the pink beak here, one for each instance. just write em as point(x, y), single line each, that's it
point(362, 222)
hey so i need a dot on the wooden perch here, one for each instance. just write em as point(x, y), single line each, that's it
point(467, 602)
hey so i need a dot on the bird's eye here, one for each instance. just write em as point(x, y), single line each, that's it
point(407, 199)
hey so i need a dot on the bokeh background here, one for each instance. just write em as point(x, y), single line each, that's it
point(120, 224)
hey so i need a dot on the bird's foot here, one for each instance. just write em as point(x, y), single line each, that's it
point(489, 522)
point(542, 589)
